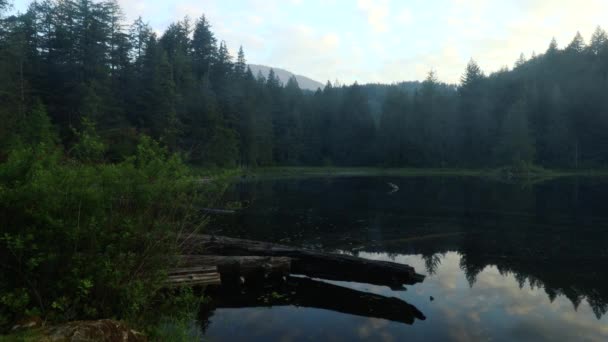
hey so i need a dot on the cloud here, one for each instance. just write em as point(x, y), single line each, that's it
point(382, 40)
point(377, 12)
point(404, 17)
point(306, 50)
point(495, 33)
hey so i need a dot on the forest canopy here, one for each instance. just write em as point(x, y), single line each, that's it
point(66, 63)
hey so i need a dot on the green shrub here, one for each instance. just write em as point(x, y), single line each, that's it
point(175, 316)
point(84, 240)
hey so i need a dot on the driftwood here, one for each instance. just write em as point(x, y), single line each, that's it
point(315, 294)
point(315, 264)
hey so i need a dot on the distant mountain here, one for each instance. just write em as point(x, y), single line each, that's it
point(284, 76)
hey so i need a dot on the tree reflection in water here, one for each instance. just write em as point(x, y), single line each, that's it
point(550, 235)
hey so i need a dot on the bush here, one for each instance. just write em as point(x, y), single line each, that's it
point(82, 240)
point(175, 317)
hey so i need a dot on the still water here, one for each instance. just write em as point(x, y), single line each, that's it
point(504, 262)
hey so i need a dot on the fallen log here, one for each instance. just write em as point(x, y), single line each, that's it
point(315, 264)
point(232, 268)
point(310, 293)
point(193, 276)
point(243, 265)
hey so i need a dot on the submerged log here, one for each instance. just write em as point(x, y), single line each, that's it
point(315, 264)
point(310, 293)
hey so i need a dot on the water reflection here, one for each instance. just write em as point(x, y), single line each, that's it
point(310, 293)
point(505, 262)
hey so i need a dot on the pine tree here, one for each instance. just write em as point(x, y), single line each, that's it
point(472, 75)
point(516, 145)
point(260, 78)
point(165, 118)
point(4, 6)
point(476, 127)
point(577, 45)
point(599, 41)
point(429, 85)
point(556, 138)
point(221, 72)
point(139, 33)
point(520, 61)
point(553, 48)
point(394, 142)
point(273, 81)
point(204, 48)
point(352, 142)
point(240, 68)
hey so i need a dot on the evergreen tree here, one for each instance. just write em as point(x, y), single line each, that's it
point(273, 81)
point(553, 48)
point(223, 68)
point(577, 45)
point(4, 5)
point(476, 128)
point(520, 61)
point(204, 48)
point(472, 76)
point(353, 141)
point(240, 68)
point(599, 41)
point(139, 33)
point(394, 142)
point(516, 145)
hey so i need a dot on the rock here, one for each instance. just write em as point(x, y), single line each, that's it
point(88, 331)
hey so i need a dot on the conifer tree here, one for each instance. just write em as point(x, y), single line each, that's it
point(577, 45)
point(240, 67)
point(553, 47)
point(516, 145)
point(599, 41)
point(204, 48)
point(520, 61)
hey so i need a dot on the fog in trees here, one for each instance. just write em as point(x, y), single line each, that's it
point(76, 60)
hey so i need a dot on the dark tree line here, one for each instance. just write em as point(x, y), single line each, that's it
point(68, 62)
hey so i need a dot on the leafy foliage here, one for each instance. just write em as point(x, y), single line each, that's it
point(88, 240)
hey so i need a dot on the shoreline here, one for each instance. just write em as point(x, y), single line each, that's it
point(502, 174)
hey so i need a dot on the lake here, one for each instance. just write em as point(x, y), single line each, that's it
point(504, 262)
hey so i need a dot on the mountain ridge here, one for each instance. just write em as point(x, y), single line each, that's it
point(284, 76)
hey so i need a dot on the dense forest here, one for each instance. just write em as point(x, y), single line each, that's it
point(68, 64)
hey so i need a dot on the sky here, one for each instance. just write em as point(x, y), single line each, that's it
point(382, 41)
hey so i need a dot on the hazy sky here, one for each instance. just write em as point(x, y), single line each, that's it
point(381, 40)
